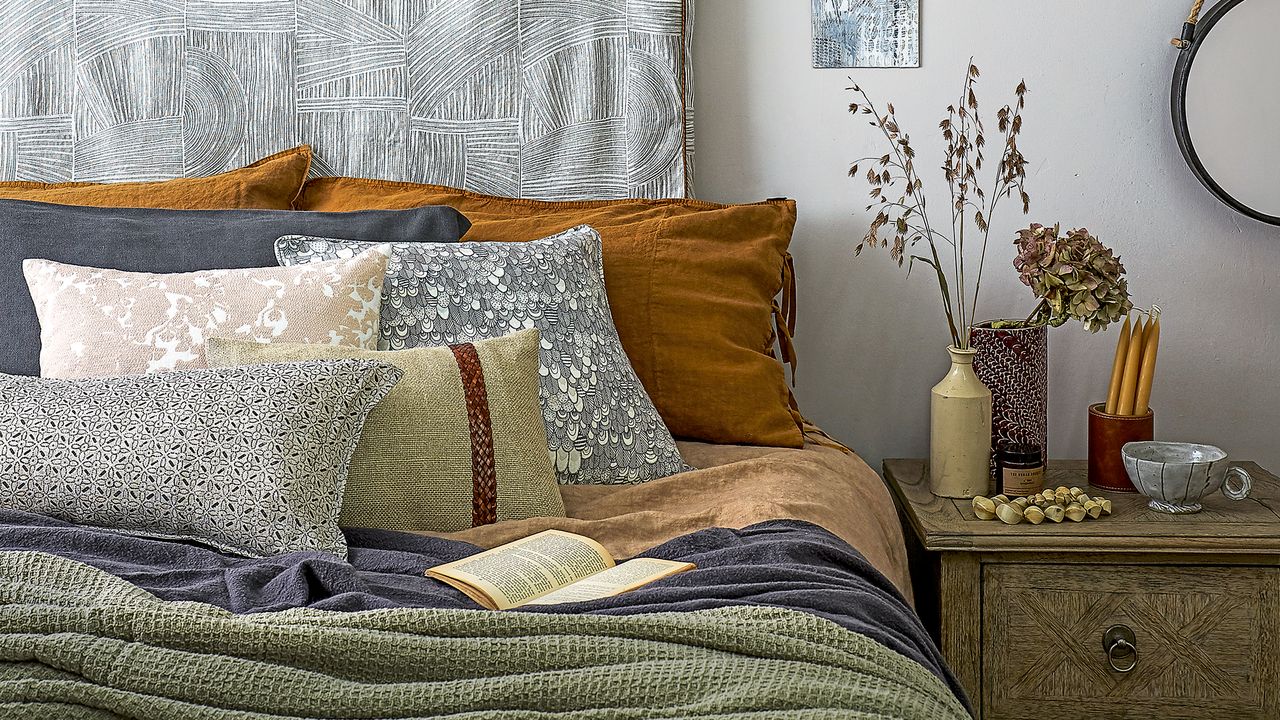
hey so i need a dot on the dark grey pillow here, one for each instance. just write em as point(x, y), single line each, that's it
point(170, 241)
point(250, 460)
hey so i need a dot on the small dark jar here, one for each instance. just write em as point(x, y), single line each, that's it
point(1019, 470)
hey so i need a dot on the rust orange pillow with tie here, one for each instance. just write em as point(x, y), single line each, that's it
point(692, 285)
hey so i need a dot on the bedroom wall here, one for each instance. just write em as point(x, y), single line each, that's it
point(1103, 156)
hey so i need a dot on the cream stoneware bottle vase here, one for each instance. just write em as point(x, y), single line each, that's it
point(960, 431)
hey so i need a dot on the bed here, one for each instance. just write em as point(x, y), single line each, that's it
point(782, 617)
point(189, 532)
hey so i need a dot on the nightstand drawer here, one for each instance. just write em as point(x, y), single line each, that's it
point(1207, 640)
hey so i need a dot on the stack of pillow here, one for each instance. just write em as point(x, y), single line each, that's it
point(254, 378)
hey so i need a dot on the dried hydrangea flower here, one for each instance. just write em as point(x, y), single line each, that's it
point(1075, 277)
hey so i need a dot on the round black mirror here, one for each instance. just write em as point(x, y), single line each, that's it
point(1226, 104)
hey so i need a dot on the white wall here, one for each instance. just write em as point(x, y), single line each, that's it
point(871, 341)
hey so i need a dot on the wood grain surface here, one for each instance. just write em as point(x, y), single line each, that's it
point(1021, 610)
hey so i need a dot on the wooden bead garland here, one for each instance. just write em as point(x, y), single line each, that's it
point(1054, 505)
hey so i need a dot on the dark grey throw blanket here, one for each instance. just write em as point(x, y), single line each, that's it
point(786, 564)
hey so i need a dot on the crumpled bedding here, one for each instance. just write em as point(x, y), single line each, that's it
point(784, 564)
point(709, 517)
point(76, 642)
point(736, 486)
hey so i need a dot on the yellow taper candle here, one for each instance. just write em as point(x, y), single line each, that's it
point(1151, 344)
point(1132, 366)
point(1117, 368)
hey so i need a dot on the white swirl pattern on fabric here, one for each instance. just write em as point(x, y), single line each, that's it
point(602, 427)
point(524, 98)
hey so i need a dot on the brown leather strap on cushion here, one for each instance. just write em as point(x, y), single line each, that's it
point(484, 476)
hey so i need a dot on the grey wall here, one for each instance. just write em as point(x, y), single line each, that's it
point(871, 341)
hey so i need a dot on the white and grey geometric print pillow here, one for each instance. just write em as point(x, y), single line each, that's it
point(251, 461)
point(602, 428)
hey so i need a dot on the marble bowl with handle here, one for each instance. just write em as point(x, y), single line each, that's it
point(1176, 476)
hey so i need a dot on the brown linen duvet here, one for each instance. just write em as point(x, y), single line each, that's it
point(734, 487)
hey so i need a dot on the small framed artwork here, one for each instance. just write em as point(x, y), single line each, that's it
point(866, 33)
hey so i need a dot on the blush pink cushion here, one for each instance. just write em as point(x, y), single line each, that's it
point(96, 323)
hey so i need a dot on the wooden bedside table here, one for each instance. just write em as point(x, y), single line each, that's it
point(1021, 610)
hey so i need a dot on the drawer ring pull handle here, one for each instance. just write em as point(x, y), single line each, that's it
point(1124, 649)
point(1121, 647)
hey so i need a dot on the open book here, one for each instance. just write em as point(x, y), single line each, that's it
point(548, 568)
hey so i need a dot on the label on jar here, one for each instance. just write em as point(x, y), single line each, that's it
point(1022, 481)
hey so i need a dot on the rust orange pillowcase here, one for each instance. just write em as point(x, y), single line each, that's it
point(272, 183)
point(691, 285)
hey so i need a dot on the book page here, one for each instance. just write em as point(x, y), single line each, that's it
point(520, 571)
point(614, 581)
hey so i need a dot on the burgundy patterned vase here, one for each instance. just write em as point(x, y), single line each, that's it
point(1014, 363)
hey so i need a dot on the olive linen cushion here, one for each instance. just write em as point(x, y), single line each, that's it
point(169, 241)
point(272, 183)
point(458, 443)
point(250, 461)
point(692, 285)
point(97, 322)
point(601, 426)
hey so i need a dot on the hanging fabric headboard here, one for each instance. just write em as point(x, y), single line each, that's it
point(529, 98)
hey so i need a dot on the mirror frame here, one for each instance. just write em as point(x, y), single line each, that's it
point(1191, 36)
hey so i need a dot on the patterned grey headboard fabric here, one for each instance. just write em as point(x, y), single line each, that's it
point(530, 98)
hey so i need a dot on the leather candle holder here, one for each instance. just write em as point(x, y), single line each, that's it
point(1107, 435)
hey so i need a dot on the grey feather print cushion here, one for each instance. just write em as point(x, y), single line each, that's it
point(251, 461)
point(602, 428)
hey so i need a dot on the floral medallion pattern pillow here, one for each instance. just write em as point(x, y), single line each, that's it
point(602, 428)
point(96, 322)
point(250, 461)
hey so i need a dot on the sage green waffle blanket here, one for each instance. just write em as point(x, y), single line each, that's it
point(76, 642)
